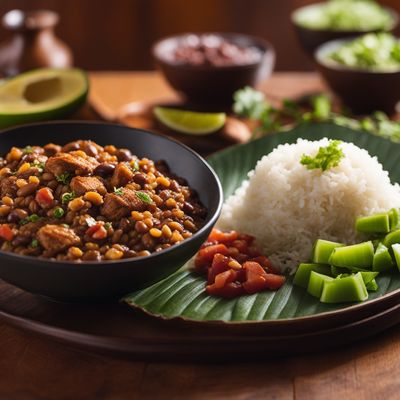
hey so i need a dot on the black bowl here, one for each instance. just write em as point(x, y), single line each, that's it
point(69, 281)
point(310, 38)
point(211, 84)
point(363, 91)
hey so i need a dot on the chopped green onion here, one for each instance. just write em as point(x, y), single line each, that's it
point(67, 197)
point(135, 166)
point(58, 212)
point(316, 283)
point(34, 243)
point(377, 223)
point(28, 150)
point(357, 255)
point(322, 251)
point(119, 191)
point(382, 261)
point(144, 197)
point(108, 225)
point(302, 276)
point(344, 289)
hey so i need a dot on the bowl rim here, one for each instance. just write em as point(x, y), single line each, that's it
point(126, 261)
point(266, 48)
point(294, 14)
point(323, 49)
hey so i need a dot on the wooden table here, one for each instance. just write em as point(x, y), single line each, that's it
point(33, 368)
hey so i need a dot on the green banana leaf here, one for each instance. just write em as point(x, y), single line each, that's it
point(182, 294)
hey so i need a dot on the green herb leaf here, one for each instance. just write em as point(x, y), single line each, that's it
point(249, 103)
point(58, 212)
point(144, 197)
point(135, 165)
point(39, 165)
point(27, 150)
point(64, 178)
point(30, 218)
point(67, 197)
point(108, 225)
point(119, 191)
point(326, 158)
point(34, 243)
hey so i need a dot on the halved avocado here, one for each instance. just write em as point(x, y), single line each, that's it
point(42, 94)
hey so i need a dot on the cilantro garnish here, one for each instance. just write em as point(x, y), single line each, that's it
point(119, 191)
point(327, 157)
point(39, 165)
point(144, 197)
point(64, 178)
point(34, 243)
point(135, 165)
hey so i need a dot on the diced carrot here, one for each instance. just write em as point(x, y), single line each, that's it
point(274, 282)
point(219, 265)
point(97, 232)
point(6, 232)
point(44, 197)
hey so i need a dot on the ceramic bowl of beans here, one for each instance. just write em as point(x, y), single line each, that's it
point(209, 67)
point(91, 210)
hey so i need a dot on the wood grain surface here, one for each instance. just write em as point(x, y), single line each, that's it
point(33, 368)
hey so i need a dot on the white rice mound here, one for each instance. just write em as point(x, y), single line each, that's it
point(287, 206)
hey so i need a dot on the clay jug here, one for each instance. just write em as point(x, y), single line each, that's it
point(32, 43)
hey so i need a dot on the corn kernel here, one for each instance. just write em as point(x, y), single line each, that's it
point(24, 167)
point(75, 252)
point(147, 214)
point(114, 254)
point(80, 153)
point(166, 231)
point(189, 225)
point(148, 222)
point(92, 246)
point(34, 179)
point(137, 216)
point(176, 237)
point(162, 180)
point(76, 204)
point(21, 183)
point(15, 154)
point(143, 161)
point(94, 197)
point(5, 171)
point(234, 265)
point(110, 149)
point(176, 226)
point(170, 203)
point(178, 213)
point(155, 232)
point(8, 201)
point(186, 234)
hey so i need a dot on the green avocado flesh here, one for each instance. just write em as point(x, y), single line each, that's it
point(42, 94)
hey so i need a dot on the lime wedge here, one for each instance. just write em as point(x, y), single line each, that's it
point(41, 94)
point(189, 122)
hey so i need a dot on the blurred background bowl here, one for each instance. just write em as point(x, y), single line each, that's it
point(363, 91)
point(310, 38)
point(207, 84)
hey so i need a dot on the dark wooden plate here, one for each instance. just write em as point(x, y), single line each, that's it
point(117, 330)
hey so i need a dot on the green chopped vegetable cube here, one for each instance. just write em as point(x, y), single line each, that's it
point(377, 223)
point(316, 283)
point(357, 255)
point(382, 261)
point(302, 276)
point(322, 251)
point(391, 238)
point(349, 288)
point(394, 218)
point(396, 252)
point(372, 286)
point(368, 276)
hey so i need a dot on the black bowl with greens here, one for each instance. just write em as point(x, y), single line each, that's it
point(322, 22)
point(364, 71)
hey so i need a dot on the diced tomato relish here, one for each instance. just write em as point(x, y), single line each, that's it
point(234, 266)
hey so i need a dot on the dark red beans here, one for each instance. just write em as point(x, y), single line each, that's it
point(104, 169)
point(17, 215)
point(140, 179)
point(124, 155)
